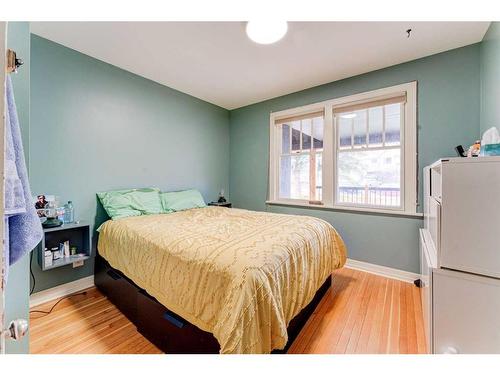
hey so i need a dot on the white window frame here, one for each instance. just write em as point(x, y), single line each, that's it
point(408, 148)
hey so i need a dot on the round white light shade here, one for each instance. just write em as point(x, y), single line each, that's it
point(266, 32)
point(349, 115)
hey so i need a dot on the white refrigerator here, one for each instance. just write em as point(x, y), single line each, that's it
point(460, 255)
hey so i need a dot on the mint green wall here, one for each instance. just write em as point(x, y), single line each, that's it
point(96, 127)
point(448, 115)
point(17, 290)
point(490, 78)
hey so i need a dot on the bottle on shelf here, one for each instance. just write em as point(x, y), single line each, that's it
point(69, 213)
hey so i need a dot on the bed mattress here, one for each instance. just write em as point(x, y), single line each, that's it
point(240, 275)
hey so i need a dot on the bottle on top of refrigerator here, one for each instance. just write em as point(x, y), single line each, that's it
point(69, 213)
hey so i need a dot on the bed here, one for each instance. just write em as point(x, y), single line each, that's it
point(240, 276)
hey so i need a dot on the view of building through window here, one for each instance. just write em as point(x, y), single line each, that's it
point(368, 161)
point(370, 177)
point(301, 159)
point(369, 156)
point(357, 151)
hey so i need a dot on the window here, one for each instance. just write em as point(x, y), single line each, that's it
point(300, 156)
point(356, 152)
point(369, 153)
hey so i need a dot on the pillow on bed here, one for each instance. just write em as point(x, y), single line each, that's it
point(181, 200)
point(131, 202)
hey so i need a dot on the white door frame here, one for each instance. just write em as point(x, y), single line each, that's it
point(3, 261)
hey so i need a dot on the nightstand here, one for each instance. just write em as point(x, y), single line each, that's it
point(224, 204)
point(78, 235)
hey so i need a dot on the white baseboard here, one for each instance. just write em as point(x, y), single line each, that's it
point(61, 291)
point(87, 282)
point(391, 273)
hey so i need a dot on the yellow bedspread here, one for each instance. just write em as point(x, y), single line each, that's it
point(241, 275)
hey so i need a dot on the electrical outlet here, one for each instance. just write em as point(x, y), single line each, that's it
point(78, 263)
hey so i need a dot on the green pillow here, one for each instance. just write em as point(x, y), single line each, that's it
point(181, 200)
point(131, 202)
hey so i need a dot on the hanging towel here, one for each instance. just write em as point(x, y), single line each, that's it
point(15, 203)
point(23, 230)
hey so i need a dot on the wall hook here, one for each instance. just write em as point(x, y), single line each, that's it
point(13, 62)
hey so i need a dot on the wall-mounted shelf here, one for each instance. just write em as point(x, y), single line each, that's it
point(77, 234)
point(64, 261)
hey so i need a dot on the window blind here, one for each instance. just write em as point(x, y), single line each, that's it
point(304, 116)
point(355, 106)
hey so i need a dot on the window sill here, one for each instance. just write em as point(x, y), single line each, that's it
point(372, 211)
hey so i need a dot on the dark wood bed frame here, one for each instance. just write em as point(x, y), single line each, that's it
point(168, 331)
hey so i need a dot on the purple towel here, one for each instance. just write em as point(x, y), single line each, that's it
point(23, 230)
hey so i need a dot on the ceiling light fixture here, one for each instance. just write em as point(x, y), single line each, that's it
point(349, 115)
point(266, 32)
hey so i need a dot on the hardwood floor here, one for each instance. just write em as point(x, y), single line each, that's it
point(362, 313)
point(85, 324)
point(365, 313)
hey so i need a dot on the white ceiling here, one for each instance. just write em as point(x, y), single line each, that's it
point(216, 62)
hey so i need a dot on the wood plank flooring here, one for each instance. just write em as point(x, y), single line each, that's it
point(362, 313)
point(88, 324)
point(365, 313)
